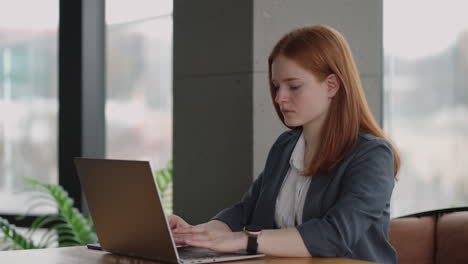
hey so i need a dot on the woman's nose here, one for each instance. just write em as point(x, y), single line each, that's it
point(281, 96)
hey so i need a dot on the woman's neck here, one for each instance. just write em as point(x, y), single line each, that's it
point(312, 137)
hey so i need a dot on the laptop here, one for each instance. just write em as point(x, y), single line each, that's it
point(128, 216)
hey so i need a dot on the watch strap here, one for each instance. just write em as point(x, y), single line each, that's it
point(252, 244)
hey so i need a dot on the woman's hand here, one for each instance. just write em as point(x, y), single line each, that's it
point(200, 236)
point(176, 222)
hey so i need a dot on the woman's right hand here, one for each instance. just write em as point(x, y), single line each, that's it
point(176, 222)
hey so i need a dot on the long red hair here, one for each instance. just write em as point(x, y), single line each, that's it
point(322, 51)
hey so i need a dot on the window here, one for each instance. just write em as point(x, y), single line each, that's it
point(139, 81)
point(426, 101)
point(28, 99)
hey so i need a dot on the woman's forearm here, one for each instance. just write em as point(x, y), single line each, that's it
point(273, 242)
point(282, 242)
point(217, 235)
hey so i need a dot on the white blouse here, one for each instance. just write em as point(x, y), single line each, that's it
point(291, 198)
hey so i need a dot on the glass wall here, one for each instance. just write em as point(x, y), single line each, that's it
point(28, 99)
point(426, 101)
point(139, 81)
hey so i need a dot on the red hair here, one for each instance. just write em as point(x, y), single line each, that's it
point(322, 51)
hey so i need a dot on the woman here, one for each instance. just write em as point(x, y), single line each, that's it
point(327, 183)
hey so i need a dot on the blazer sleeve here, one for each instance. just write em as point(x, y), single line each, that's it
point(366, 188)
point(237, 216)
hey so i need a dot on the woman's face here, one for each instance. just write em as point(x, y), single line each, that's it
point(302, 98)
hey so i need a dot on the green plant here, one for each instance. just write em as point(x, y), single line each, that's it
point(68, 227)
point(19, 241)
point(164, 180)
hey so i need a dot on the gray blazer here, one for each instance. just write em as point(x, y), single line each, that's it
point(346, 212)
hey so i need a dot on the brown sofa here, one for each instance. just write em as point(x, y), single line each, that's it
point(434, 237)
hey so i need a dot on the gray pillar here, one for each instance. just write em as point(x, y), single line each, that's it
point(94, 82)
point(212, 112)
point(224, 122)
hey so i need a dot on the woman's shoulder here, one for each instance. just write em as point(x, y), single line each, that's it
point(368, 143)
point(371, 139)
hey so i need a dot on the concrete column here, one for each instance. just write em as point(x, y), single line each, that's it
point(212, 105)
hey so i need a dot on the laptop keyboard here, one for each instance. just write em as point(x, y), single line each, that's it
point(203, 253)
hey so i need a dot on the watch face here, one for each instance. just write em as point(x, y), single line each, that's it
point(253, 228)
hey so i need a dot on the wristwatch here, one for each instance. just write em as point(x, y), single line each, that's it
point(252, 232)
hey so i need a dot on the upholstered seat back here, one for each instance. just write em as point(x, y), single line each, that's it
point(434, 237)
point(452, 239)
point(413, 239)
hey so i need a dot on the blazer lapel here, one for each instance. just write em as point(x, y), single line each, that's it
point(277, 178)
point(314, 197)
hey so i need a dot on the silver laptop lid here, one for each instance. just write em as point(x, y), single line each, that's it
point(126, 209)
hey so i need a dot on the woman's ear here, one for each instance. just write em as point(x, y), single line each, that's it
point(333, 84)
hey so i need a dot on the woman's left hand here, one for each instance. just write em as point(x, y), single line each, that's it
point(221, 241)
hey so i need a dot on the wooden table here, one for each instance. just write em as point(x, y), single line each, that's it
point(72, 255)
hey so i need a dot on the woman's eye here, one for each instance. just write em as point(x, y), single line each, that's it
point(294, 87)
